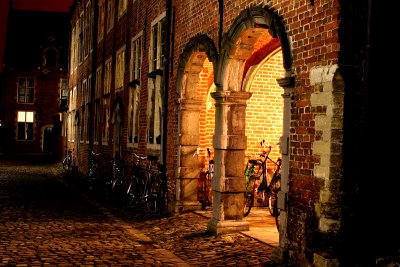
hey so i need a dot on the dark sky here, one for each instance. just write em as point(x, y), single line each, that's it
point(33, 5)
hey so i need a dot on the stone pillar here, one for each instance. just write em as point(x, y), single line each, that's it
point(229, 150)
point(287, 83)
point(188, 165)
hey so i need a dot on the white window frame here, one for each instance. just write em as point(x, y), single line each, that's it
point(154, 101)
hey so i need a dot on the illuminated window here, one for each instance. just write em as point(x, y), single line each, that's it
point(64, 89)
point(120, 69)
point(25, 90)
point(110, 14)
point(136, 58)
point(96, 110)
point(105, 119)
point(155, 85)
point(134, 93)
point(122, 7)
point(133, 115)
point(107, 77)
point(102, 11)
point(81, 40)
point(25, 125)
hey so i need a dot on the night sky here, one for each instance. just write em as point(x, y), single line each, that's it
point(45, 6)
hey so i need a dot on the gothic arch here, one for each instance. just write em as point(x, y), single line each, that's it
point(238, 44)
point(194, 80)
point(253, 33)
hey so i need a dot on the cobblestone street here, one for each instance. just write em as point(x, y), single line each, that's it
point(46, 220)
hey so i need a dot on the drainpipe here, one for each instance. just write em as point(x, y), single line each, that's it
point(165, 99)
point(93, 80)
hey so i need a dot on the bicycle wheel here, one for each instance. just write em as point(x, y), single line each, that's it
point(274, 187)
point(154, 196)
point(207, 201)
point(248, 200)
point(273, 208)
point(133, 193)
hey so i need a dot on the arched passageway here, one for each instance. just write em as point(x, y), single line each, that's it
point(248, 75)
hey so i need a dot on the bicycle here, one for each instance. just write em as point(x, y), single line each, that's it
point(116, 182)
point(67, 161)
point(204, 189)
point(145, 186)
point(207, 188)
point(94, 170)
point(256, 170)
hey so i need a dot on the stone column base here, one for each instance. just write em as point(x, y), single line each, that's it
point(223, 227)
point(183, 206)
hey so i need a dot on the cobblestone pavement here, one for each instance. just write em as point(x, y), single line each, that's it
point(46, 220)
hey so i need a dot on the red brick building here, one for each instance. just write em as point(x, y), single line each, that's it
point(174, 77)
point(33, 77)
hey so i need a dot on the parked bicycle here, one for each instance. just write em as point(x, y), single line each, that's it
point(67, 162)
point(144, 188)
point(204, 189)
point(257, 185)
point(116, 182)
point(94, 170)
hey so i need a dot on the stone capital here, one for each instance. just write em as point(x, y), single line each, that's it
point(231, 97)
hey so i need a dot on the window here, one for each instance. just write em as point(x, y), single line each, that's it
point(122, 7)
point(106, 119)
point(100, 33)
point(154, 106)
point(98, 85)
point(25, 125)
point(63, 93)
point(63, 89)
point(96, 110)
point(134, 93)
point(25, 90)
point(136, 58)
point(84, 92)
point(157, 44)
point(72, 100)
point(133, 116)
point(81, 40)
point(120, 69)
point(107, 77)
point(72, 51)
point(110, 14)
point(88, 29)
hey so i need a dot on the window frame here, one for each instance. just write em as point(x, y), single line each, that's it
point(26, 89)
point(27, 125)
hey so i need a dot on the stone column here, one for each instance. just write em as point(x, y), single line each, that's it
point(188, 165)
point(229, 150)
point(287, 84)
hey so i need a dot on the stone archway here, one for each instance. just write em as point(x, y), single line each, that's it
point(240, 44)
point(195, 79)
